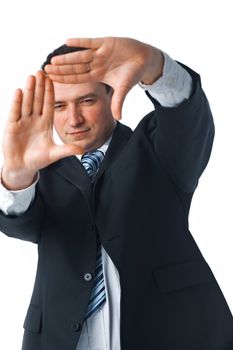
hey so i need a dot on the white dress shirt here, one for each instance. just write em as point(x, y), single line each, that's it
point(101, 331)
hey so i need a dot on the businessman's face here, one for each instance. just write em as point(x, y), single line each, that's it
point(83, 114)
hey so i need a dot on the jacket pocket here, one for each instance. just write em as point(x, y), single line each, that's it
point(183, 275)
point(33, 319)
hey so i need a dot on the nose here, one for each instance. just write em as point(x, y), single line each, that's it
point(74, 116)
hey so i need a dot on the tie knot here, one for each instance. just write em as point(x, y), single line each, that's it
point(91, 162)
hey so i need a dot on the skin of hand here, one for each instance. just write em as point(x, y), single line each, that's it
point(84, 112)
point(118, 62)
point(28, 139)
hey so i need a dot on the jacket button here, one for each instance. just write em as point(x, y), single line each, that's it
point(87, 277)
point(75, 327)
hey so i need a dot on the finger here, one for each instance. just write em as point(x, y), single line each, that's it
point(117, 103)
point(73, 57)
point(67, 69)
point(28, 96)
point(61, 151)
point(89, 43)
point(39, 94)
point(72, 78)
point(48, 106)
point(15, 110)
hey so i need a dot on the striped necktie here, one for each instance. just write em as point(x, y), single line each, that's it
point(91, 162)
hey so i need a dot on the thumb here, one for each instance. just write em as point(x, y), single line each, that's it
point(88, 43)
point(62, 151)
point(117, 102)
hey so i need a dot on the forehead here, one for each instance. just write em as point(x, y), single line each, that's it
point(74, 91)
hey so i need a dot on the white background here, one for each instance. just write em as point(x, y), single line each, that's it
point(197, 33)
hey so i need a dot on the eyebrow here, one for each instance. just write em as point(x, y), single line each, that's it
point(91, 94)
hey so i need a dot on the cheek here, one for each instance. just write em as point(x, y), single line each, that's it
point(101, 116)
point(93, 117)
point(59, 122)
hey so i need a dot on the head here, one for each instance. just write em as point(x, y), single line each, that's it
point(82, 114)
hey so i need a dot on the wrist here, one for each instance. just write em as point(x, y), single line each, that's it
point(14, 180)
point(154, 67)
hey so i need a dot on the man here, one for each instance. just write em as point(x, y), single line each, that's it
point(118, 267)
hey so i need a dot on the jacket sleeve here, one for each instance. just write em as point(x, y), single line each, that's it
point(183, 136)
point(26, 226)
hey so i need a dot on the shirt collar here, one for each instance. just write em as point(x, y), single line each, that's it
point(102, 148)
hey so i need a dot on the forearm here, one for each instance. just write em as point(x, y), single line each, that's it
point(173, 87)
point(15, 180)
point(183, 133)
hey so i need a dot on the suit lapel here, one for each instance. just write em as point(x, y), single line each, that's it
point(120, 138)
point(72, 170)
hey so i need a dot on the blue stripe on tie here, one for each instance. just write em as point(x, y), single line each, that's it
point(96, 306)
point(96, 291)
point(97, 299)
point(98, 295)
point(94, 301)
point(91, 162)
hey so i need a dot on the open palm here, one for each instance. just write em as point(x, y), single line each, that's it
point(28, 144)
point(118, 62)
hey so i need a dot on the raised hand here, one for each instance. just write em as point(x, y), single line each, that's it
point(118, 62)
point(28, 144)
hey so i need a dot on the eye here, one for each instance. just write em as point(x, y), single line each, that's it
point(88, 101)
point(59, 106)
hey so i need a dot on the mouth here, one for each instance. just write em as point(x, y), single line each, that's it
point(78, 132)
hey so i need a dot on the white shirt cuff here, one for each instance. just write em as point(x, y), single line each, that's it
point(17, 202)
point(173, 87)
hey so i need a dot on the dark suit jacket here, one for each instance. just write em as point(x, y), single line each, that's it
point(139, 206)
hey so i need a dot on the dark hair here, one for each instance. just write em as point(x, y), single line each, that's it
point(61, 50)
